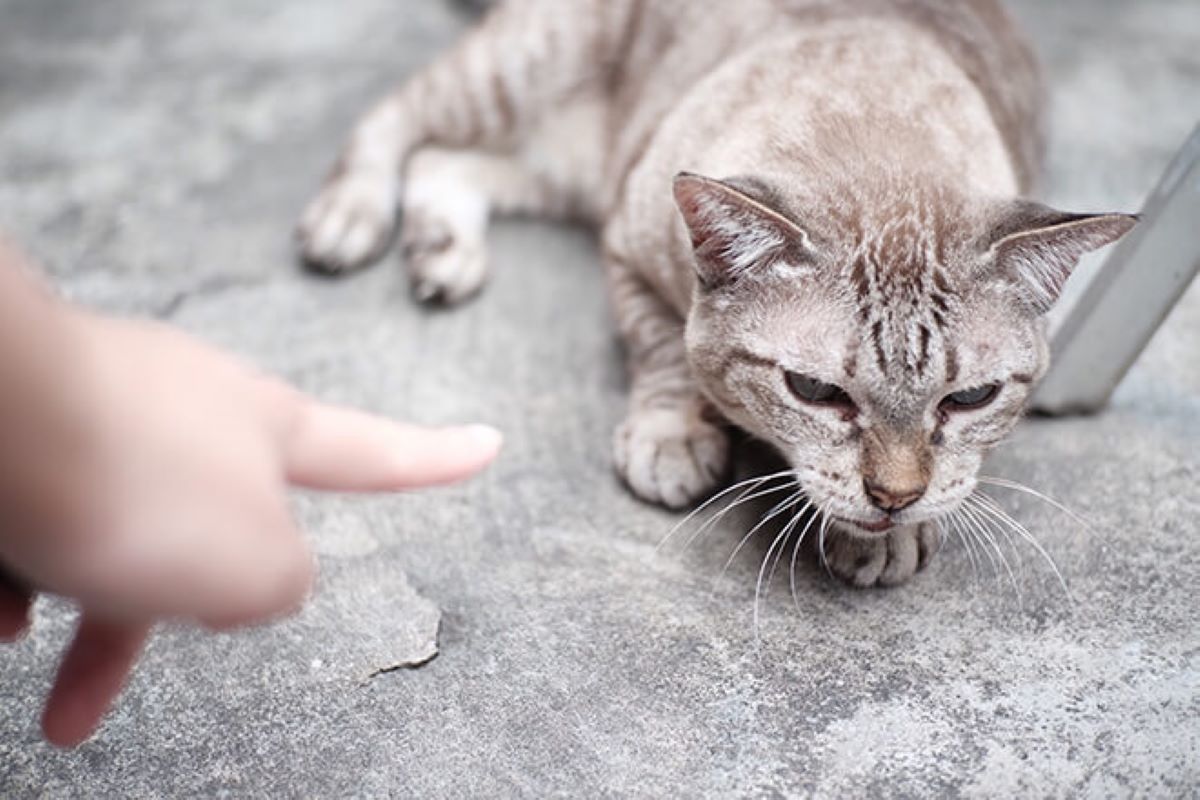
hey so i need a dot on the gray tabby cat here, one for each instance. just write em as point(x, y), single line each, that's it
point(811, 221)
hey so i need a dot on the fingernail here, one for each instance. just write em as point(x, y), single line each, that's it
point(485, 436)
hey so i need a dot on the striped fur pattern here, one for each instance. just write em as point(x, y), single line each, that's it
point(785, 190)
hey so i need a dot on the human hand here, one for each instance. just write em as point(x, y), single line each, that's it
point(145, 477)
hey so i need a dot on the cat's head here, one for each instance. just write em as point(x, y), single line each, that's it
point(881, 343)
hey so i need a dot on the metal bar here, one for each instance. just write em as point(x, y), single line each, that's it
point(1131, 295)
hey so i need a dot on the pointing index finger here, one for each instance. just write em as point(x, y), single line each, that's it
point(339, 449)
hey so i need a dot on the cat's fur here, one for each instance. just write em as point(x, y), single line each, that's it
point(859, 224)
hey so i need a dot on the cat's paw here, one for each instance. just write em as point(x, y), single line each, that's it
point(351, 221)
point(670, 456)
point(444, 265)
point(883, 560)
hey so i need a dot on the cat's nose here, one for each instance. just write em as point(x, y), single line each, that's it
point(890, 498)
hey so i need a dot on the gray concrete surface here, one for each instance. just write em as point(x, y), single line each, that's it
point(154, 154)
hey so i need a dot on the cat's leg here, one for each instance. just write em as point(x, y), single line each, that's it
point(670, 449)
point(449, 197)
point(523, 59)
point(881, 561)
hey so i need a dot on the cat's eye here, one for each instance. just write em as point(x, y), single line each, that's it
point(811, 390)
point(970, 399)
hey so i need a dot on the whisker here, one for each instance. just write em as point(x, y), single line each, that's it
point(821, 540)
point(988, 504)
point(980, 536)
point(780, 541)
point(987, 526)
point(791, 526)
point(972, 537)
point(993, 526)
point(795, 552)
point(956, 517)
point(742, 499)
point(757, 481)
point(941, 524)
point(779, 509)
point(989, 517)
point(1005, 483)
point(1004, 531)
point(1024, 533)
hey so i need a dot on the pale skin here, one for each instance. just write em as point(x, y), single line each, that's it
point(144, 475)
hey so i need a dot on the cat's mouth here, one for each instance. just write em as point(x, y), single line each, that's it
point(882, 526)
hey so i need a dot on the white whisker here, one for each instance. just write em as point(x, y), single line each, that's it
point(1004, 531)
point(791, 526)
point(980, 535)
point(776, 511)
point(821, 540)
point(1004, 483)
point(795, 552)
point(1024, 533)
point(941, 524)
point(757, 481)
point(995, 527)
point(957, 519)
point(780, 542)
point(988, 526)
point(742, 499)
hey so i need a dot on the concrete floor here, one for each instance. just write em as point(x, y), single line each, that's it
point(154, 155)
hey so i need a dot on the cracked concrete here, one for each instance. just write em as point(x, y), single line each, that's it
point(154, 155)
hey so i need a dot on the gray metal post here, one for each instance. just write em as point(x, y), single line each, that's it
point(1128, 299)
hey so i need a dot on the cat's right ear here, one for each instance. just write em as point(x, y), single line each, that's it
point(734, 234)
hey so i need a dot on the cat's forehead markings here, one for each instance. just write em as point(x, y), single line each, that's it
point(939, 299)
point(951, 364)
point(862, 286)
point(923, 358)
point(909, 350)
point(850, 363)
point(877, 343)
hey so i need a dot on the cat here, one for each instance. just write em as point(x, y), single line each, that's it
point(813, 221)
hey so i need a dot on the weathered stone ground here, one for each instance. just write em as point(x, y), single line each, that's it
point(155, 154)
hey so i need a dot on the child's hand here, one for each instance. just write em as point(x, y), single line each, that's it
point(145, 476)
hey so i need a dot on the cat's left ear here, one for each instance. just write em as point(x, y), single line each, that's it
point(733, 233)
point(1035, 247)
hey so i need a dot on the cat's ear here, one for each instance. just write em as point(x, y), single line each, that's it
point(1035, 247)
point(734, 233)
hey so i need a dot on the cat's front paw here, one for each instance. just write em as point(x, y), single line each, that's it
point(888, 560)
point(351, 222)
point(670, 456)
point(445, 265)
